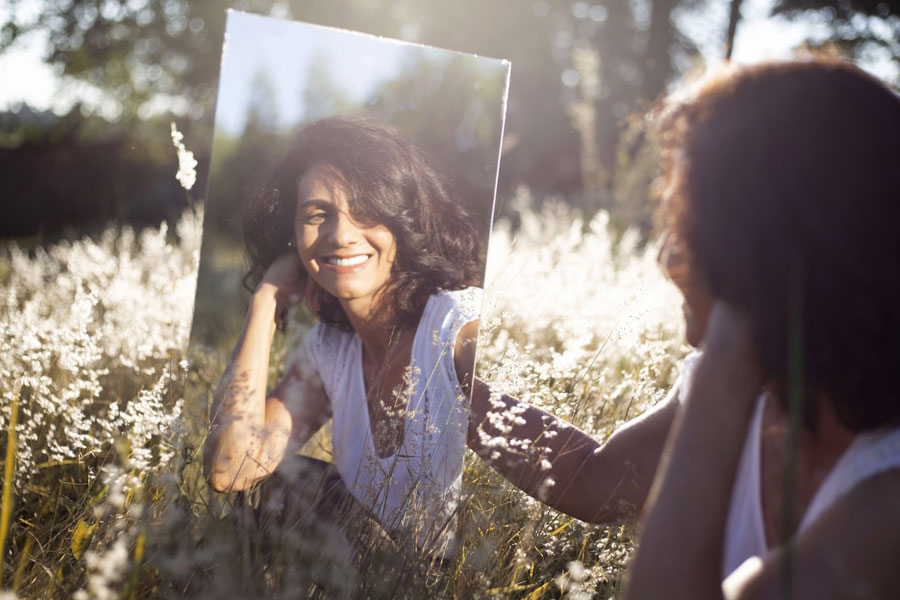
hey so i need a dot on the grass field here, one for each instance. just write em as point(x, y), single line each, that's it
point(102, 492)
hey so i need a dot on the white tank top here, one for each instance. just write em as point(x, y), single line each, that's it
point(870, 453)
point(417, 489)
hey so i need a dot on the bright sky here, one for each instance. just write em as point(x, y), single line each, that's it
point(285, 50)
point(25, 78)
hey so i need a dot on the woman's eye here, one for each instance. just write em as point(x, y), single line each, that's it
point(316, 218)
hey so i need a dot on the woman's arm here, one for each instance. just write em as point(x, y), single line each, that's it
point(559, 464)
point(680, 549)
point(251, 432)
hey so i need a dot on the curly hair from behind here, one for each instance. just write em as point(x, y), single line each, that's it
point(389, 181)
point(783, 179)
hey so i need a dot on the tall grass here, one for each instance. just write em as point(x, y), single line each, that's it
point(109, 500)
point(91, 337)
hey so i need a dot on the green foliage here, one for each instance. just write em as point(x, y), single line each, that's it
point(864, 29)
point(168, 50)
point(84, 171)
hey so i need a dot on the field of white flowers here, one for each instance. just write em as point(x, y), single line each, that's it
point(102, 492)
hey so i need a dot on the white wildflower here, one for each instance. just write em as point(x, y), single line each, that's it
point(187, 164)
point(105, 571)
point(79, 318)
point(544, 488)
point(572, 582)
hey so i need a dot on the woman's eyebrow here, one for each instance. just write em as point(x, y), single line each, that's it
point(314, 202)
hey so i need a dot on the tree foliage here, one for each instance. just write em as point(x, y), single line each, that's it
point(142, 51)
point(155, 56)
point(862, 28)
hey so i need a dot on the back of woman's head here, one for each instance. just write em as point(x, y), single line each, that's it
point(784, 187)
point(389, 182)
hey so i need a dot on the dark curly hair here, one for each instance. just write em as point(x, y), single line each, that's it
point(388, 181)
point(783, 185)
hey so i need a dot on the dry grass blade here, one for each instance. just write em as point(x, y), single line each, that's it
point(8, 474)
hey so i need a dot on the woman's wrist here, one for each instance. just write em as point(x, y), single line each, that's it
point(267, 299)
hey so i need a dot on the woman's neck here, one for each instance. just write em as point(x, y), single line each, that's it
point(378, 332)
point(817, 452)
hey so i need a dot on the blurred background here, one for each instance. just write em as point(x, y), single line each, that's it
point(88, 88)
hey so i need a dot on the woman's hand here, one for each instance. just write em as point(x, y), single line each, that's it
point(287, 279)
point(728, 328)
point(728, 349)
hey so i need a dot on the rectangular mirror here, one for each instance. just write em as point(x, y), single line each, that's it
point(350, 200)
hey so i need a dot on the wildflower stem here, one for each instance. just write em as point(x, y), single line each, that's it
point(23, 560)
point(8, 472)
point(138, 556)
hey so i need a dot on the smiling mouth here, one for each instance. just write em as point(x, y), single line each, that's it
point(350, 261)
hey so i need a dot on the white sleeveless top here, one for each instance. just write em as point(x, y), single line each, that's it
point(870, 453)
point(417, 489)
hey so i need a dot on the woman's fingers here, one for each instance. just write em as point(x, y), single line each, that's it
point(291, 282)
point(728, 343)
point(286, 273)
point(728, 327)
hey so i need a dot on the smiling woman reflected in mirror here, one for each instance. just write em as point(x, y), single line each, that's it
point(357, 223)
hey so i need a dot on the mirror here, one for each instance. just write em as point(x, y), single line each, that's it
point(364, 170)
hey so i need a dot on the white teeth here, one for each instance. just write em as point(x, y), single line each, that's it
point(346, 262)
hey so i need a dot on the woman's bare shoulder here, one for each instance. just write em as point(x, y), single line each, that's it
point(850, 551)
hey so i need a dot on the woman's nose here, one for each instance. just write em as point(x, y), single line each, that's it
point(344, 232)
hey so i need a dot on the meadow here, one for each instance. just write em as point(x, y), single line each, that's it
point(103, 414)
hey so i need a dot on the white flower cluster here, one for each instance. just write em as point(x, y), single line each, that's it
point(576, 321)
point(108, 565)
point(187, 164)
point(580, 321)
point(89, 335)
point(572, 582)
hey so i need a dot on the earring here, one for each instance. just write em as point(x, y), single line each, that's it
point(290, 244)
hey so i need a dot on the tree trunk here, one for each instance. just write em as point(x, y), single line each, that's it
point(733, 17)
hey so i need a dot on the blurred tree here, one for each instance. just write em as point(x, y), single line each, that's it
point(143, 53)
point(461, 127)
point(154, 56)
point(321, 96)
point(734, 15)
point(637, 44)
point(241, 162)
point(60, 171)
point(262, 113)
point(164, 53)
point(862, 28)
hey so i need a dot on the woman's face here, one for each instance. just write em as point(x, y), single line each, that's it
point(349, 260)
point(698, 300)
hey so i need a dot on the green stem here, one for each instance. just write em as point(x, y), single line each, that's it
point(8, 474)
